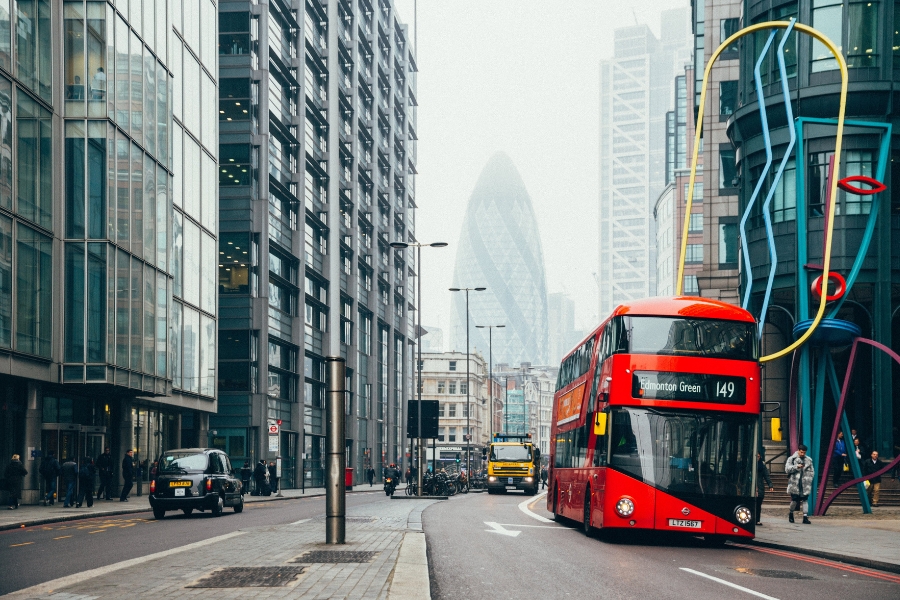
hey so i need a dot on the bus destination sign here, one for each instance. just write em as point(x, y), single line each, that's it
point(690, 387)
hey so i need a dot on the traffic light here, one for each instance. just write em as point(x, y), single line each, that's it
point(457, 457)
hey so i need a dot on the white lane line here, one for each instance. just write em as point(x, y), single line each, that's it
point(497, 528)
point(300, 521)
point(49, 586)
point(523, 506)
point(729, 584)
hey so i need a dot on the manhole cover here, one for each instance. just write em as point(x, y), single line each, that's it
point(238, 577)
point(773, 573)
point(335, 556)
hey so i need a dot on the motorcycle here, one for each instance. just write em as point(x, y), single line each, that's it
point(389, 486)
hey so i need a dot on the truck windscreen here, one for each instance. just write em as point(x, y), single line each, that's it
point(510, 453)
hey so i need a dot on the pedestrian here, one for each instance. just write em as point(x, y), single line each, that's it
point(69, 473)
point(370, 476)
point(86, 476)
point(15, 479)
point(413, 474)
point(260, 474)
point(49, 470)
point(408, 475)
point(154, 470)
point(870, 466)
point(544, 475)
point(857, 448)
point(104, 465)
point(246, 473)
point(763, 484)
point(838, 459)
point(273, 476)
point(800, 471)
point(127, 475)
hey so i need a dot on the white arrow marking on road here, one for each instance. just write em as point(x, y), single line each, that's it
point(498, 528)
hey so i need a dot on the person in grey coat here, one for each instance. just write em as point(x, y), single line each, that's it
point(800, 471)
point(15, 478)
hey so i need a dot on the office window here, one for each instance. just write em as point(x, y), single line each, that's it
point(452, 389)
point(441, 387)
point(6, 271)
point(862, 34)
point(452, 435)
point(5, 41)
point(441, 410)
point(452, 365)
point(463, 387)
point(728, 91)
point(690, 287)
point(34, 166)
point(728, 243)
point(34, 272)
point(696, 223)
point(727, 170)
point(234, 33)
point(729, 27)
point(827, 17)
point(234, 99)
point(451, 409)
point(694, 253)
point(33, 48)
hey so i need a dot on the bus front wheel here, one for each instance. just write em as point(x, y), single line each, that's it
point(556, 516)
point(586, 525)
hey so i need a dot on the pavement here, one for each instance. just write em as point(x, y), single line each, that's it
point(383, 558)
point(34, 514)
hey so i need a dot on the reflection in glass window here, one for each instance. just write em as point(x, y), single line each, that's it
point(75, 135)
point(175, 330)
point(728, 243)
point(34, 167)
point(208, 356)
point(727, 170)
point(828, 18)
point(862, 34)
point(191, 351)
point(6, 257)
point(74, 303)
point(6, 133)
point(34, 273)
point(161, 321)
point(33, 51)
point(191, 263)
point(727, 97)
point(177, 252)
point(693, 253)
point(123, 83)
point(123, 307)
point(5, 42)
point(208, 273)
point(691, 288)
point(136, 76)
point(96, 180)
point(137, 200)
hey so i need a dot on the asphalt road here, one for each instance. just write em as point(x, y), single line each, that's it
point(482, 546)
point(42, 553)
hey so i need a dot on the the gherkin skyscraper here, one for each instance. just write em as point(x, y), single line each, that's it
point(500, 249)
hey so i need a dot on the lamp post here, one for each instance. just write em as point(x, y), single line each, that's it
point(418, 246)
point(490, 329)
point(468, 411)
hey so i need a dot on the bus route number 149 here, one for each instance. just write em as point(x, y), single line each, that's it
point(725, 389)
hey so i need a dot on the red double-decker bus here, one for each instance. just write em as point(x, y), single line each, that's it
point(655, 421)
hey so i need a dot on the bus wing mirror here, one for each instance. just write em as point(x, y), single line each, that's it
point(600, 423)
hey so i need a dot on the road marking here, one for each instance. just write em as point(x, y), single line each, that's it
point(534, 526)
point(47, 587)
point(62, 537)
point(300, 521)
point(497, 528)
point(525, 504)
point(729, 584)
point(97, 531)
point(22, 544)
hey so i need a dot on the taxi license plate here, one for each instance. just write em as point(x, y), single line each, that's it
point(509, 481)
point(179, 491)
point(176, 484)
point(683, 523)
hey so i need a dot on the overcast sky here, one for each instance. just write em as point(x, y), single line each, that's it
point(520, 76)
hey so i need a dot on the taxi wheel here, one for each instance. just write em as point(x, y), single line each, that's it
point(159, 514)
point(217, 509)
point(238, 508)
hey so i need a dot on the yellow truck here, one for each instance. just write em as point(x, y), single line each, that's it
point(514, 463)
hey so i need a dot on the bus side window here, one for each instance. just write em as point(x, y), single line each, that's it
point(561, 458)
point(582, 435)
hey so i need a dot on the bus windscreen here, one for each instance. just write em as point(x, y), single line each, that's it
point(685, 453)
point(702, 338)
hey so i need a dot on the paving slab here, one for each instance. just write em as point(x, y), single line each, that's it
point(274, 562)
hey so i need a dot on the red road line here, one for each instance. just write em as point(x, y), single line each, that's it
point(824, 563)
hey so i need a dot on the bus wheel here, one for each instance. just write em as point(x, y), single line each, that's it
point(586, 525)
point(714, 541)
point(556, 516)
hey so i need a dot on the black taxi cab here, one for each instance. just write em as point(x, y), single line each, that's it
point(195, 478)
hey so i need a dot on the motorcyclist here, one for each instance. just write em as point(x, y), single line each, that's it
point(392, 473)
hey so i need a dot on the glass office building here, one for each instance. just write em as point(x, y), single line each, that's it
point(317, 147)
point(108, 227)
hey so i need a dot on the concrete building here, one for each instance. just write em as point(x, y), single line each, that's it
point(500, 249)
point(444, 379)
point(318, 143)
point(108, 228)
point(635, 93)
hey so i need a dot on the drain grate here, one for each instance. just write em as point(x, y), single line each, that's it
point(335, 556)
point(773, 573)
point(359, 519)
point(241, 577)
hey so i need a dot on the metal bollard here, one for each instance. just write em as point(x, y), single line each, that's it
point(335, 494)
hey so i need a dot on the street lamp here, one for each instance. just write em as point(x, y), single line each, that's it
point(490, 329)
point(468, 408)
point(418, 247)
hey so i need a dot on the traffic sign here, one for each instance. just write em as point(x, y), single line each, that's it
point(273, 429)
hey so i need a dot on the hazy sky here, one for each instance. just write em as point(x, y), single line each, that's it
point(520, 76)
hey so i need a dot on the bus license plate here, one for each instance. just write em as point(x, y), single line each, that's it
point(179, 491)
point(683, 523)
point(509, 481)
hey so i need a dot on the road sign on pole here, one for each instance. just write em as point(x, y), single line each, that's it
point(273, 429)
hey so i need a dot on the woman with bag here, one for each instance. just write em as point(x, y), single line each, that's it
point(15, 478)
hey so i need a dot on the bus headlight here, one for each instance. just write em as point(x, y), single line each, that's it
point(624, 507)
point(743, 515)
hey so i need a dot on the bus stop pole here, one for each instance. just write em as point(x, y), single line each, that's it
point(335, 492)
